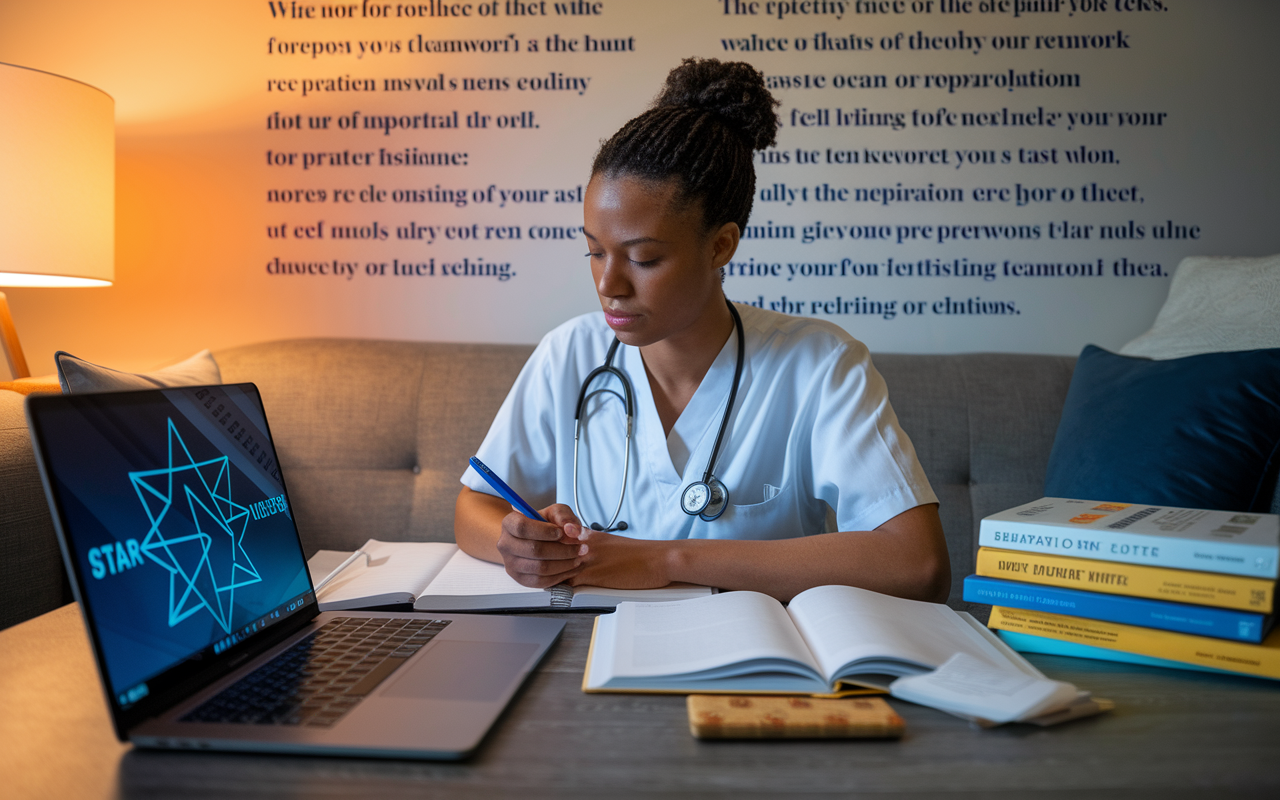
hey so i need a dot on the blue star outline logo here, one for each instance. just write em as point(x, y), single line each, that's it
point(203, 552)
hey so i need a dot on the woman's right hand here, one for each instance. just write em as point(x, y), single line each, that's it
point(541, 554)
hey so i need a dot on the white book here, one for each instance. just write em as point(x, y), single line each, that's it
point(1229, 542)
point(437, 576)
point(826, 639)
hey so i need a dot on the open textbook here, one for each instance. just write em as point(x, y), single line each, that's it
point(827, 639)
point(435, 576)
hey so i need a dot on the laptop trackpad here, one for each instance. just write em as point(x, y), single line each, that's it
point(463, 671)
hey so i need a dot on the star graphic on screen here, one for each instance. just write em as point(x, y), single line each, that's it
point(203, 549)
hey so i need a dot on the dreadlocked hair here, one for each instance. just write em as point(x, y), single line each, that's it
point(701, 131)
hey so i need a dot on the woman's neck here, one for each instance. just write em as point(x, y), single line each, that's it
point(676, 365)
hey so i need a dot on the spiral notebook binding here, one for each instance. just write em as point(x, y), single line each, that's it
point(561, 596)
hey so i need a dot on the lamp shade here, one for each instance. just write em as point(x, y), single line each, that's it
point(57, 181)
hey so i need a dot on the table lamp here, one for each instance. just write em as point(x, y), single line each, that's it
point(57, 189)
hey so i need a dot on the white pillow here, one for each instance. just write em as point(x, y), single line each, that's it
point(78, 376)
point(1216, 304)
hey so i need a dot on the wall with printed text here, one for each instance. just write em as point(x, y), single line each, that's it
point(951, 175)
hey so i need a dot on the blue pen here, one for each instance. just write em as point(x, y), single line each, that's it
point(506, 491)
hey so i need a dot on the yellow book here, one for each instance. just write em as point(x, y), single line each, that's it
point(1261, 660)
point(1132, 580)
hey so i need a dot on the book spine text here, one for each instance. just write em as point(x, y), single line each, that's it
point(1104, 544)
point(1242, 626)
point(1132, 580)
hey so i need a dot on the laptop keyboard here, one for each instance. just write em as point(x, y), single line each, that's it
point(322, 677)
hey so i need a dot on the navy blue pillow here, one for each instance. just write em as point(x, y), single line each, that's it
point(1198, 432)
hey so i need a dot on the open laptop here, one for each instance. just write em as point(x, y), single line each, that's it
point(179, 538)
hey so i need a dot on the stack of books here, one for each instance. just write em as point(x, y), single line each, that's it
point(1172, 587)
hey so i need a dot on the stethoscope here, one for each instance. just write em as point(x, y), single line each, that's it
point(708, 498)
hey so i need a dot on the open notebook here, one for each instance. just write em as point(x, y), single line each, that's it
point(435, 576)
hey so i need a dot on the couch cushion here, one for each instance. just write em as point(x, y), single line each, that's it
point(32, 580)
point(78, 376)
point(982, 425)
point(1215, 304)
point(1198, 432)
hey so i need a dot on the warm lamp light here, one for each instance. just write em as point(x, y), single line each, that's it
point(57, 188)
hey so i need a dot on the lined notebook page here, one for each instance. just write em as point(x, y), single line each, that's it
point(393, 568)
point(464, 575)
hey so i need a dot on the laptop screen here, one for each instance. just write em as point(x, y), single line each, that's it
point(175, 518)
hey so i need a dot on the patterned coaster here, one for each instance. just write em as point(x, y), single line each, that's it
point(772, 717)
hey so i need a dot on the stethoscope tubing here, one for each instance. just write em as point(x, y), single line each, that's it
point(733, 394)
point(607, 368)
point(629, 403)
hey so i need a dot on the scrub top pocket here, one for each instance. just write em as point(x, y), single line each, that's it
point(772, 519)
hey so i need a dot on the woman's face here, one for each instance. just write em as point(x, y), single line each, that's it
point(656, 270)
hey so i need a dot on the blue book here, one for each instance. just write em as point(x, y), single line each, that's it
point(1027, 643)
point(1220, 623)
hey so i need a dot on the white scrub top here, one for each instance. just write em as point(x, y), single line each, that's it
point(811, 427)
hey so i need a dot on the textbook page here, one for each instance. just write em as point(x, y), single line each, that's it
point(854, 630)
point(746, 630)
point(394, 572)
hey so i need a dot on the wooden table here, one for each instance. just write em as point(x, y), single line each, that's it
point(1173, 734)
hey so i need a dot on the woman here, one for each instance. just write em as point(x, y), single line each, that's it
point(786, 416)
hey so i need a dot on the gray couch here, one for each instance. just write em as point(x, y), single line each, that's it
point(373, 436)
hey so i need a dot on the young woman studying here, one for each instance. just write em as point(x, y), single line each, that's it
point(675, 436)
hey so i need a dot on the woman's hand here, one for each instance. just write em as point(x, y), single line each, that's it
point(541, 554)
point(619, 562)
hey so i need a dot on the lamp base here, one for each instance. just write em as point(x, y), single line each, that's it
point(9, 341)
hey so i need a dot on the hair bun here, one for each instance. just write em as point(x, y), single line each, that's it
point(733, 90)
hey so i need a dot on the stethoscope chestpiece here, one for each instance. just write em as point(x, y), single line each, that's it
point(705, 499)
